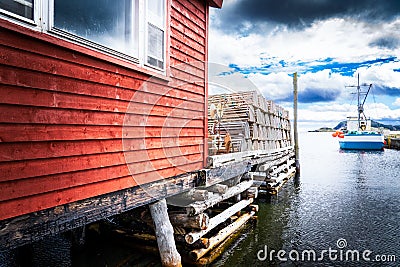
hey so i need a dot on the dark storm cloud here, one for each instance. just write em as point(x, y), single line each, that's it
point(380, 89)
point(389, 42)
point(312, 95)
point(245, 14)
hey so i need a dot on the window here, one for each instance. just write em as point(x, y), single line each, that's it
point(131, 29)
point(23, 8)
point(155, 33)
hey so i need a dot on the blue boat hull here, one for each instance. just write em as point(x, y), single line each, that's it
point(366, 140)
point(361, 145)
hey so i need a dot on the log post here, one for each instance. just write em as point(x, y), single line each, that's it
point(296, 138)
point(165, 234)
point(199, 221)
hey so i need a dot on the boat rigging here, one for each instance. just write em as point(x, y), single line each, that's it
point(360, 103)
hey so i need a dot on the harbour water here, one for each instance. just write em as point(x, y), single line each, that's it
point(345, 204)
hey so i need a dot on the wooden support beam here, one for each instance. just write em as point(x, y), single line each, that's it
point(282, 176)
point(201, 243)
point(218, 188)
point(265, 166)
point(191, 195)
point(186, 198)
point(252, 192)
point(165, 234)
point(199, 207)
point(277, 170)
point(259, 183)
point(221, 236)
point(220, 160)
point(220, 218)
point(224, 172)
point(200, 221)
point(259, 176)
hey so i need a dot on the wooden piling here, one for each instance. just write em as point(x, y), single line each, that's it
point(296, 137)
point(165, 234)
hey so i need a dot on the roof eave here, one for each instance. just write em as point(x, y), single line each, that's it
point(215, 3)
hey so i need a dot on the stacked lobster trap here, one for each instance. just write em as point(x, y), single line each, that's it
point(246, 121)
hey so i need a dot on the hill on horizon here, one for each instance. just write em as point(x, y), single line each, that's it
point(374, 124)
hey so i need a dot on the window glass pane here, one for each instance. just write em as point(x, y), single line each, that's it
point(107, 22)
point(156, 7)
point(23, 8)
point(155, 48)
point(155, 32)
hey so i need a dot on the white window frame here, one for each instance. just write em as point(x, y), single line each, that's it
point(158, 23)
point(37, 7)
point(43, 20)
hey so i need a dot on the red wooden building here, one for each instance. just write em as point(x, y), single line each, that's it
point(96, 100)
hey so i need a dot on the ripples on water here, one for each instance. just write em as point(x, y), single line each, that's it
point(350, 195)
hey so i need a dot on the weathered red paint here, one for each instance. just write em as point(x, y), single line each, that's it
point(63, 107)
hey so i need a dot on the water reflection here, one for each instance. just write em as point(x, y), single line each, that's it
point(341, 195)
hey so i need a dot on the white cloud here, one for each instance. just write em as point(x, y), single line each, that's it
point(335, 38)
point(287, 51)
point(273, 86)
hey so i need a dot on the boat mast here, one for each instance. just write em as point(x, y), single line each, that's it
point(360, 108)
point(360, 105)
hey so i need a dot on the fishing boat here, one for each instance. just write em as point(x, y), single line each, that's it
point(359, 134)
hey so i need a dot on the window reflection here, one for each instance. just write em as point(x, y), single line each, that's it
point(107, 22)
point(22, 8)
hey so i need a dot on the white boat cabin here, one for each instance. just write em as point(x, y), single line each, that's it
point(352, 124)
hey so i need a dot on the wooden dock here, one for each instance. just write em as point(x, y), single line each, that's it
point(392, 141)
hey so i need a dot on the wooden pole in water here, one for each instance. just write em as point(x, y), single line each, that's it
point(296, 137)
point(165, 234)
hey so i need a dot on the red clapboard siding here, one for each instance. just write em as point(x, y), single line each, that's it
point(24, 169)
point(74, 125)
point(42, 201)
point(41, 184)
point(180, 36)
point(199, 7)
point(187, 50)
point(23, 132)
point(40, 115)
point(55, 67)
point(41, 98)
point(189, 32)
point(188, 24)
point(42, 150)
point(189, 13)
point(23, 78)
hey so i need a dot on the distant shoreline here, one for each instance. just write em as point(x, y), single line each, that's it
point(322, 129)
